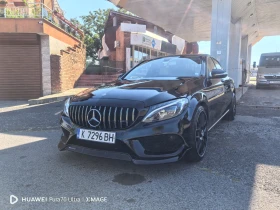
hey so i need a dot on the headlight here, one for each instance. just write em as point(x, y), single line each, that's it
point(66, 107)
point(261, 76)
point(166, 110)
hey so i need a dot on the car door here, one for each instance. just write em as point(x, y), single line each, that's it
point(227, 88)
point(214, 91)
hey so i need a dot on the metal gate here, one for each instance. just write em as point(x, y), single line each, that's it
point(20, 66)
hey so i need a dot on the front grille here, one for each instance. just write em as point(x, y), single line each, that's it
point(111, 118)
point(272, 77)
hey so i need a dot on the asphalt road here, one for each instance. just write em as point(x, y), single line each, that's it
point(240, 171)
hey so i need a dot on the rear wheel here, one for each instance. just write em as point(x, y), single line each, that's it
point(198, 134)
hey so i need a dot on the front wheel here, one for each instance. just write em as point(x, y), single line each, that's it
point(198, 134)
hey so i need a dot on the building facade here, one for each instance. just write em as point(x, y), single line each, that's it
point(41, 52)
point(128, 40)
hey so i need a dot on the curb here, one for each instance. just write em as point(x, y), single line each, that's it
point(239, 93)
point(259, 106)
point(48, 100)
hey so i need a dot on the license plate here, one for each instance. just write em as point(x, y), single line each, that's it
point(96, 136)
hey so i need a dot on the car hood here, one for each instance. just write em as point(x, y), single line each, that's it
point(149, 92)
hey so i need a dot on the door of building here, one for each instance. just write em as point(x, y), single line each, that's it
point(20, 66)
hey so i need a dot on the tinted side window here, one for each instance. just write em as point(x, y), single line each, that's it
point(218, 66)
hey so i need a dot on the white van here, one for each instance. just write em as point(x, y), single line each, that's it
point(268, 70)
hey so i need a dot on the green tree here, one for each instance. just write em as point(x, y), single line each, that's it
point(93, 26)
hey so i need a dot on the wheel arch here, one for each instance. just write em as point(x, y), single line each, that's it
point(195, 102)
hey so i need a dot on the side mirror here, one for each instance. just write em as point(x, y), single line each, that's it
point(218, 73)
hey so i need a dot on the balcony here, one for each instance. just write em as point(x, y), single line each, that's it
point(41, 11)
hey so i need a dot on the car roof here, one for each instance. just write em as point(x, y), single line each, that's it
point(270, 54)
point(182, 56)
point(170, 56)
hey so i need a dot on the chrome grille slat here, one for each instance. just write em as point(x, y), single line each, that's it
point(79, 120)
point(109, 117)
point(104, 117)
point(121, 117)
point(86, 112)
point(83, 121)
point(71, 112)
point(133, 112)
point(112, 118)
point(115, 117)
point(76, 114)
point(126, 118)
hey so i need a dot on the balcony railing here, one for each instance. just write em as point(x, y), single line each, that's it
point(38, 10)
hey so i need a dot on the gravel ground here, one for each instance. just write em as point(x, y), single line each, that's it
point(240, 171)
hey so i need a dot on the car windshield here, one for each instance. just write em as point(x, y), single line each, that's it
point(270, 61)
point(167, 67)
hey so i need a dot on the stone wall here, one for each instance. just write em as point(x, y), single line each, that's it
point(46, 69)
point(67, 68)
point(55, 73)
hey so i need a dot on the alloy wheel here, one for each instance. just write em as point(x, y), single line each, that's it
point(201, 136)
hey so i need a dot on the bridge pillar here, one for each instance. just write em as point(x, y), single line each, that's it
point(249, 59)
point(234, 65)
point(227, 45)
point(245, 51)
point(220, 34)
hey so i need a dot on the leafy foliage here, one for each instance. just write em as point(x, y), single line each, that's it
point(93, 26)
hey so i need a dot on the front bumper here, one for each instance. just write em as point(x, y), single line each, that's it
point(265, 82)
point(161, 142)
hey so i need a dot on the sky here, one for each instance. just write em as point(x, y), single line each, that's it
point(267, 44)
point(74, 10)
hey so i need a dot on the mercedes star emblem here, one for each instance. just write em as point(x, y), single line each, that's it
point(94, 118)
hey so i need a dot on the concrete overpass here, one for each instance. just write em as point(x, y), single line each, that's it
point(232, 26)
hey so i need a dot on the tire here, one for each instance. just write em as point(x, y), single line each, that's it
point(198, 134)
point(230, 116)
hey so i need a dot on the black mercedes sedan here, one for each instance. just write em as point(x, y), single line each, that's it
point(159, 112)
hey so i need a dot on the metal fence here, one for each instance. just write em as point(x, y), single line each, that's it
point(39, 10)
point(106, 67)
point(112, 67)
